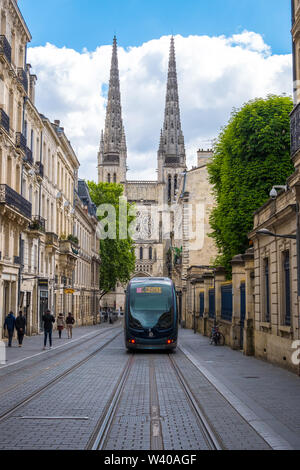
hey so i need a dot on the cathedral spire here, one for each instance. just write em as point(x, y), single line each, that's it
point(113, 151)
point(172, 140)
point(113, 122)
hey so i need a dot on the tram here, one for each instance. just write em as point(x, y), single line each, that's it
point(151, 314)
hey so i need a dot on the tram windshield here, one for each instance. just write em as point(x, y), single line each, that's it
point(151, 306)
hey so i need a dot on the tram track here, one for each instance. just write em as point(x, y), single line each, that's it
point(97, 440)
point(67, 353)
point(104, 426)
point(212, 440)
point(54, 381)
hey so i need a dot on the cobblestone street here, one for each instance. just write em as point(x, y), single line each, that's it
point(90, 393)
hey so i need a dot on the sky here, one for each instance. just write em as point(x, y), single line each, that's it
point(228, 52)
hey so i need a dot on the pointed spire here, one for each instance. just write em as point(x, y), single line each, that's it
point(172, 140)
point(113, 122)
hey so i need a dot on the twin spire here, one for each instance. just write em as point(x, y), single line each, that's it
point(113, 140)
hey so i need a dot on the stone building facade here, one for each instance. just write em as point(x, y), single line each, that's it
point(155, 201)
point(39, 192)
point(195, 251)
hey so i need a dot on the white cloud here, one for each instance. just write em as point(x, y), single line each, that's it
point(215, 74)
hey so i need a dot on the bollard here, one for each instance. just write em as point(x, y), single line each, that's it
point(2, 353)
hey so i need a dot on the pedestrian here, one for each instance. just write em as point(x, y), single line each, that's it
point(60, 324)
point(70, 322)
point(20, 327)
point(10, 324)
point(48, 320)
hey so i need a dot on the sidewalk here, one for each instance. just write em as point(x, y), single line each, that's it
point(269, 394)
point(33, 345)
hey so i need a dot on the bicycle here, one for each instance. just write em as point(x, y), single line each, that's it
point(217, 338)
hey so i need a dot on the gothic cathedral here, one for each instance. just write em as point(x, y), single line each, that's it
point(152, 243)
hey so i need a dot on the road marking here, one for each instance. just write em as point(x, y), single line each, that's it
point(274, 440)
point(85, 418)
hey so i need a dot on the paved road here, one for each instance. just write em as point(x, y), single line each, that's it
point(69, 392)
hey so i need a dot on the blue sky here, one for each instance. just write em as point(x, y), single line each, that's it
point(227, 51)
point(90, 23)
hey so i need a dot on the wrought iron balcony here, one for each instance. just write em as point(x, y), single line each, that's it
point(38, 223)
point(11, 198)
point(22, 76)
point(51, 239)
point(40, 169)
point(295, 129)
point(4, 120)
point(28, 156)
point(21, 142)
point(5, 47)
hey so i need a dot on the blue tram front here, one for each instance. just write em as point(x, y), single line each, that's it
point(151, 317)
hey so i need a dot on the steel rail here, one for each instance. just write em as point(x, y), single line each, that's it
point(205, 427)
point(98, 438)
point(80, 342)
point(49, 384)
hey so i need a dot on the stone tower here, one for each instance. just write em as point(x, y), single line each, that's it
point(112, 156)
point(171, 153)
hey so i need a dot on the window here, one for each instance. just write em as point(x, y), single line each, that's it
point(150, 253)
point(169, 187)
point(266, 290)
point(287, 288)
point(115, 177)
point(141, 253)
point(108, 178)
point(175, 184)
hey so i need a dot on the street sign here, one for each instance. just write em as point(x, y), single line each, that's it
point(69, 291)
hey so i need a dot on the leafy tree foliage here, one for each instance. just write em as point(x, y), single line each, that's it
point(252, 154)
point(117, 255)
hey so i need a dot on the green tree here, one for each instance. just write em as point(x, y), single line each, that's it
point(252, 154)
point(117, 255)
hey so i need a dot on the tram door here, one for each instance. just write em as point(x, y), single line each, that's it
point(243, 313)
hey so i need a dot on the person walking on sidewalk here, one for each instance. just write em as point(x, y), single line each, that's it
point(60, 324)
point(20, 327)
point(10, 324)
point(48, 320)
point(70, 322)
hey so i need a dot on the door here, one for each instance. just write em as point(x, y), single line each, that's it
point(243, 313)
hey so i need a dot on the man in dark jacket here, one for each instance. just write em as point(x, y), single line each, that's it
point(48, 320)
point(20, 326)
point(10, 323)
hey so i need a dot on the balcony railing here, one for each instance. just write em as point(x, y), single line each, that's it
point(38, 223)
point(5, 47)
point(12, 198)
point(28, 156)
point(21, 141)
point(22, 76)
point(4, 120)
point(51, 239)
point(40, 169)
